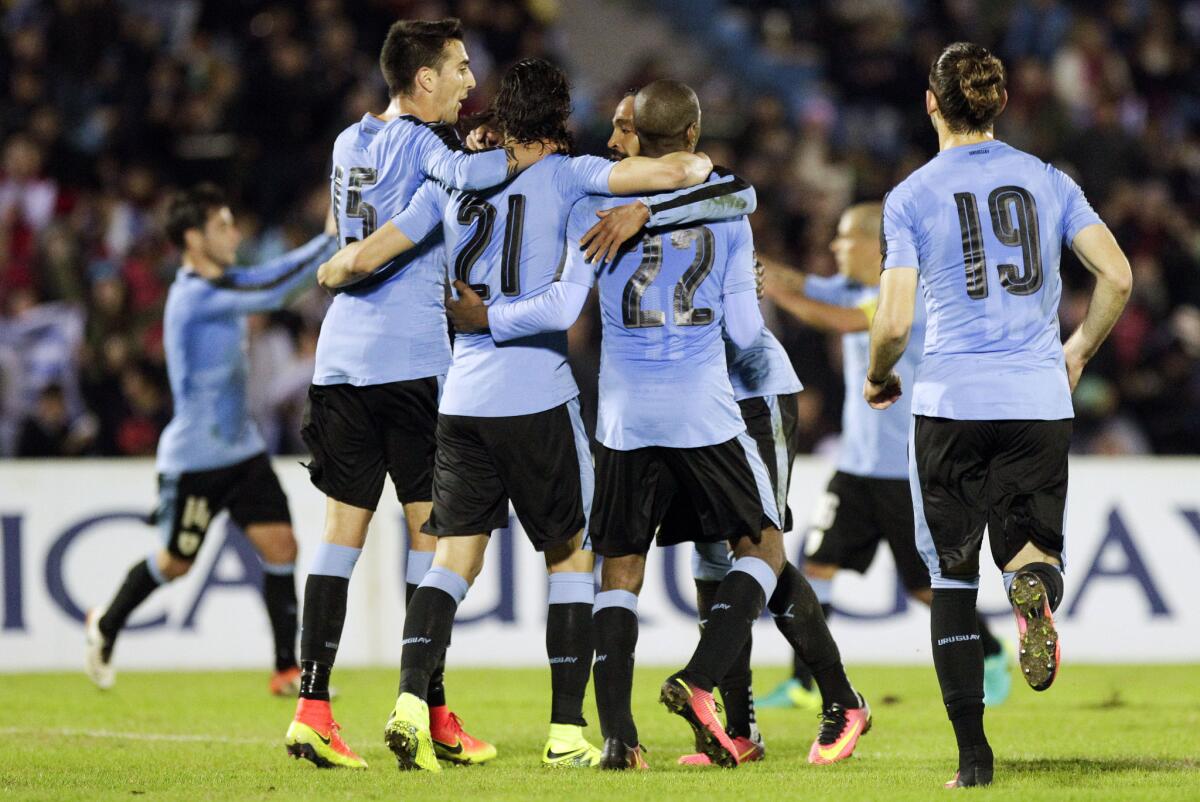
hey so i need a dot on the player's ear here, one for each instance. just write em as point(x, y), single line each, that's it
point(693, 135)
point(193, 239)
point(931, 102)
point(425, 79)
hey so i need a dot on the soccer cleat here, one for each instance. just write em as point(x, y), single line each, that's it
point(698, 708)
point(286, 682)
point(1040, 650)
point(791, 693)
point(974, 768)
point(451, 742)
point(98, 652)
point(747, 751)
point(567, 748)
point(841, 727)
point(407, 734)
point(313, 735)
point(617, 756)
point(997, 679)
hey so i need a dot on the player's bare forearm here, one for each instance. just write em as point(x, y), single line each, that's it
point(338, 272)
point(1098, 250)
point(672, 171)
point(819, 315)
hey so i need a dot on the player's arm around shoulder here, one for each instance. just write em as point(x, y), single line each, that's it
point(739, 290)
point(672, 171)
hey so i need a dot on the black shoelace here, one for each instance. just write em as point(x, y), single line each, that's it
point(833, 721)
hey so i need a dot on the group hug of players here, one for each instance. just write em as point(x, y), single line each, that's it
point(697, 403)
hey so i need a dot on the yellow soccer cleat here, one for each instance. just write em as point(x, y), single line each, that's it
point(567, 748)
point(407, 735)
point(313, 735)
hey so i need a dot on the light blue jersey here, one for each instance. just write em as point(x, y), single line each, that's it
point(984, 224)
point(664, 380)
point(508, 245)
point(204, 332)
point(393, 326)
point(874, 443)
point(762, 370)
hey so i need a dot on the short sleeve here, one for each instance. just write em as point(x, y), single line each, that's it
point(898, 231)
point(739, 272)
point(423, 214)
point(1077, 213)
point(585, 175)
point(575, 269)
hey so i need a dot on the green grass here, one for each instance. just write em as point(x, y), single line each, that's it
point(1103, 732)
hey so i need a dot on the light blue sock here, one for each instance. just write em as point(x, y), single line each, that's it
point(334, 560)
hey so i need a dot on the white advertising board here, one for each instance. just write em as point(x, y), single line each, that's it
point(70, 530)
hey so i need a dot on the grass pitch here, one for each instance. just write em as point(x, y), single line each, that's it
point(1102, 732)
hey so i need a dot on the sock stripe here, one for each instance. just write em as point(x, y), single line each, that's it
point(571, 587)
point(759, 571)
point(334, 560)
point(446, 581)
point(417, 565)
point(616, 598)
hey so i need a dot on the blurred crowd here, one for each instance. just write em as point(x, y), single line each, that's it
point(107, 105)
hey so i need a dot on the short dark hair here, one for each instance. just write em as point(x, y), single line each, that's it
point(191, 208)
point(663, 111)
point(968, 82)
point(534, 102)
point(411, 45)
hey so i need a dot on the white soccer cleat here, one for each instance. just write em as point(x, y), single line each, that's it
point(98, 654)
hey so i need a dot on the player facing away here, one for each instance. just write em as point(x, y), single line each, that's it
point(211, 456)
point(509, 426)
point(980, 227)
point(765, 387)
point(868, 499)
point(381, 357)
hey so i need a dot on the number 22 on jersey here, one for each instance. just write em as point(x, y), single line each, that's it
point(647, 272)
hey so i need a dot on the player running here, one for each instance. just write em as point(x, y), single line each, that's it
point(381, 356)
point(867, 500)
point(765, 387)
point(509, 426)
point(211, 456)
point(981, 226)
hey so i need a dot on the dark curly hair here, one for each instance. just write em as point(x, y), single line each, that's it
point(191, 208)
point(533, 104)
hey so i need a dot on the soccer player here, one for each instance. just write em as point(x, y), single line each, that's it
point(868, 499)
point(980, 227)
point(765, 387)
point(211, 456)
point(509, 426)
point(381, 356)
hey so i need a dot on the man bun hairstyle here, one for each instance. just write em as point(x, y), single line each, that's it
point(533, 104)
point(411, 45)
point(191, 208)
point(969, 82)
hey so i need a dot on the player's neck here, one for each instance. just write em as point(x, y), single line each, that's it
point(202, 266)
point(414, 107)
point(949, 139)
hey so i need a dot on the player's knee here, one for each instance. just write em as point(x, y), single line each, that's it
point(623, 573)
point(769, 549)
point(462, 555)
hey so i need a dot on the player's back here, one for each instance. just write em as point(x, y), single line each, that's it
point(394, 327)
point(984, 223)
point(663, 374)
point(206, 367)
point(507, 244)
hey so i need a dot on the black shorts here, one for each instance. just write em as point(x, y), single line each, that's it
point(357, 435)
point(858, 512)
point(725, 487)
point(187, 502)
point(540, 462)
point(1007, 475)
point(771, 424)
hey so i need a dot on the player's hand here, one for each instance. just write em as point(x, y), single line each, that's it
point(615, 227)
point(483, 137)
point(468, 313)
point(881, 395)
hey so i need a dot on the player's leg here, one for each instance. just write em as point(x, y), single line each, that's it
point(259, 506)
point(187, 503)
point(469, 501)
point(1028, 493)
point(348, 467)
point(948, 466)
point(632, 488)
point(731, 486)
point(544, 461)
